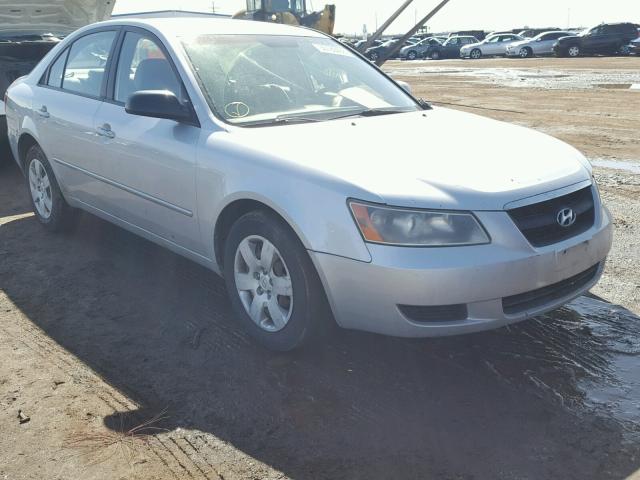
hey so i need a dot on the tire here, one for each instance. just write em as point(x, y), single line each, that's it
point(475, 54)
point(47, 201)
point(412, 55)
point(525, 52)
point(256, 294)
point(574, 51)
point(435, 55)
point(373, 56)
point(623, 50)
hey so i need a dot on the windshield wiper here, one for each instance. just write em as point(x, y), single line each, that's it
point(370, 112)
point(281, 120)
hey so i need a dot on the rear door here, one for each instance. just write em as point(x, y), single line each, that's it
point(149, 164)
point(65, 103)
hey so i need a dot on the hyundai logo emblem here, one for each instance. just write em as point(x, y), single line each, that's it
point(566, 217)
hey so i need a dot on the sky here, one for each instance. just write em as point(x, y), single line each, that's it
point(457, 15)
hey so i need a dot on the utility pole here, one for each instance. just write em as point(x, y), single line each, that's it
point(398, 45)
point(385, 25)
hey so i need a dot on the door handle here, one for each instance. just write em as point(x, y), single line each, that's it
point(105, 131)
point(43, 112)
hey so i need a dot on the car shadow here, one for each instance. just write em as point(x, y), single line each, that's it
point(519, 402)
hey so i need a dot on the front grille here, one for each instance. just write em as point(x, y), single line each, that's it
point(434, 313)
point(539, 224)
point(543, 296)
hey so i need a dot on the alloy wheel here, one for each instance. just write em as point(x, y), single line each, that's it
point(574, 51)
point(263, 283)
point(40, 188)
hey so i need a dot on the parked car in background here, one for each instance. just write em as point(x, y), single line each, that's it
point(30, 30)
point(607, 38)
point(534, 32)
point(374, 53)
point(360, 43)
point(493, 45)
point(541, 44)
point(450, 48)
point(634, 47)
point(195, 133)
point(419, 50)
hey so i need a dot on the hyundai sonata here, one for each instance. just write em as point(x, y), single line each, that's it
point(257, 150)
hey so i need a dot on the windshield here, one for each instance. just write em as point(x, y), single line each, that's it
point(253, 79)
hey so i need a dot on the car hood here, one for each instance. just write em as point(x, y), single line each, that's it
point(520, 43)
point(471, 45)
point(52, 15)
point(440, 158)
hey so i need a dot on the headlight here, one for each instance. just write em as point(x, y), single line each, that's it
point(423, 228)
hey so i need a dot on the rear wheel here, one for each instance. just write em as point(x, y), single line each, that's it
point(48, 204)
point(476, 54)
point(574, 51)
point(274, 288)
point(624, 50)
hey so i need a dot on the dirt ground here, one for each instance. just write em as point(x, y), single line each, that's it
point(101, 331)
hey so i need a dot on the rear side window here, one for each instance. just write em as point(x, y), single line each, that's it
point(87, 62)
point(57, 70)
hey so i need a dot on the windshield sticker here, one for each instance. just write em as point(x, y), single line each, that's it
point(332, 49)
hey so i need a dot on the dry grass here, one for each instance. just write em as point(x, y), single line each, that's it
point(127, 443)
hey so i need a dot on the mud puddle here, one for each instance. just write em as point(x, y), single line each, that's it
point(532, 78)
point(585, 357)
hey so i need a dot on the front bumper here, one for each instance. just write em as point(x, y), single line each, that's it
point(368, 296)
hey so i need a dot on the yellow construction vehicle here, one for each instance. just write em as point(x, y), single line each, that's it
point(290, 12)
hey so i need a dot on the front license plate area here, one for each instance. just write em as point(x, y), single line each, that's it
point(570, 259)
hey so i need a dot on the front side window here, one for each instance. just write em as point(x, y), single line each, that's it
point(254, 79)
point(143, 66)
point(87, 62)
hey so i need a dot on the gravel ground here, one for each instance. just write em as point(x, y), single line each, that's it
point(101, 331)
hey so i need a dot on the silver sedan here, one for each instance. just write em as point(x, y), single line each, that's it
point(539, 45)
point(493, 45)
point(262, 152)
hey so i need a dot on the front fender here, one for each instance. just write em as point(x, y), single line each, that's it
point(313, 204)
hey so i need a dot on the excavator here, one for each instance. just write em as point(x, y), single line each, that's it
point(290, 12)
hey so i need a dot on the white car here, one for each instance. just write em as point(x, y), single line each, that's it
point(259, 150)
point(493, 45)
point(539, 45)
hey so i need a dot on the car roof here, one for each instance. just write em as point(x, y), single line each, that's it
point(188, 26)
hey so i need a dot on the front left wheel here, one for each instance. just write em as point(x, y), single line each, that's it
point(48, 204)
point(274, 288)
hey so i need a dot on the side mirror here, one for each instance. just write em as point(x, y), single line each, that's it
point(405, 86)
point(157, 104)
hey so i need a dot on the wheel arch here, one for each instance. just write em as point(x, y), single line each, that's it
point(238, 207)
point(25, 142)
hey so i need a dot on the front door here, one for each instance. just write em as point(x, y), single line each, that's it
point(150, 163)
